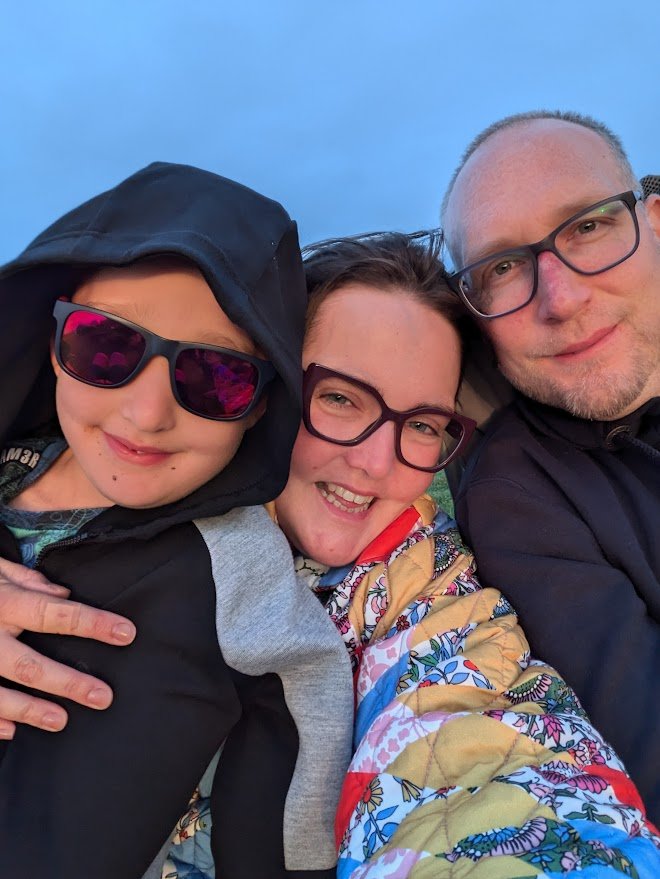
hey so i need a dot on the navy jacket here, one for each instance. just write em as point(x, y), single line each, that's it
point(564, 518)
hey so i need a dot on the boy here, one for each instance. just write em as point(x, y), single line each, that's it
point(112, 482)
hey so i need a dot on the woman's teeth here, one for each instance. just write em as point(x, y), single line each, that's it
point(332, 493)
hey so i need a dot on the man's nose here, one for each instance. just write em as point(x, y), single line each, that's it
point(375, 455)
point(147, 401)
point(562, 292)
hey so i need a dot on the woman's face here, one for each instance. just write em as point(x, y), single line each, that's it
point(339, 498)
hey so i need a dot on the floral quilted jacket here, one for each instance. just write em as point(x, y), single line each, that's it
point(471, 758)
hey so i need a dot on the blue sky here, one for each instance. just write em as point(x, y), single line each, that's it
point(353, 113)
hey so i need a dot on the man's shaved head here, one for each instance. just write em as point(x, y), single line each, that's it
point(518, 119)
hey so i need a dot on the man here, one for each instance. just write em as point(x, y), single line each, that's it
point(559, 260)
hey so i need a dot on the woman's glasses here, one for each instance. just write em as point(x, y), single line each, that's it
point(344, 410)
point(106, 351)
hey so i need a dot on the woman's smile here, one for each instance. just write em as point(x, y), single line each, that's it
point(344, 499)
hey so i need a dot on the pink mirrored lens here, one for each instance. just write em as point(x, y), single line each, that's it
point(214, 384)
point(99, 350)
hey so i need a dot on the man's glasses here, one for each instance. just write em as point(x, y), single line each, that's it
point(590, 242)
point(106, 351)
point(344, 410)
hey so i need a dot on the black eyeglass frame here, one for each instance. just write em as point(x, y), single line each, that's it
point(315, 372)
point(155, 346)
point(547, 244)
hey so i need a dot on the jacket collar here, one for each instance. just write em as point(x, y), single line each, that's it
point(642, 424)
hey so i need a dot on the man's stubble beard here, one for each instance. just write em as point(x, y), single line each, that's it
point(596, 392)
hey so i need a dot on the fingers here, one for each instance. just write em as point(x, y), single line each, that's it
point(29, 579)
point(29, 601)
point(25, 666)
point(22, 608)
point(7, 729)
point(22, 708)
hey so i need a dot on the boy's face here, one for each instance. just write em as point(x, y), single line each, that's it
point(135, 446)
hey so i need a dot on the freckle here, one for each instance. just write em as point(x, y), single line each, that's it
point(172, 468)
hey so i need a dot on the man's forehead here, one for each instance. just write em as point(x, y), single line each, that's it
point(526, 179)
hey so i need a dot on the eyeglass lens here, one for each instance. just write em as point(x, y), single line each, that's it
point(592, 242)
point(343, 411)
point(106, 353)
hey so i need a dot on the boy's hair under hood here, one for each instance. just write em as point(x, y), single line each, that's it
point(245, 246)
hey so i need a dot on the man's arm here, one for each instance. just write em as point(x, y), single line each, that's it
point(28, 601)
point(580, 613)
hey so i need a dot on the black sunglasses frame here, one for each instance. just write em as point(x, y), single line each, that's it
point(315, 372)
point(156, 346)
point(547, 244)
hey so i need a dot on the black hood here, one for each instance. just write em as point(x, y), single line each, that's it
point(245, 245)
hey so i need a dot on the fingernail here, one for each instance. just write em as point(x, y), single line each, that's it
point(99, 697)
point(123, 632)
point(52, 721)
point(6, 732)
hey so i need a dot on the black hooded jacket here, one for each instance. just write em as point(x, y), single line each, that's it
point(176, 698)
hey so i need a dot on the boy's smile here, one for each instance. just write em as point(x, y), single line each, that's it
point(135, 446)
point(136, 454)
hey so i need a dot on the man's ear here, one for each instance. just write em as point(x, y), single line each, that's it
point(652, 206)
point(256, 413)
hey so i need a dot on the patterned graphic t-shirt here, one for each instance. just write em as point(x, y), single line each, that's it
point(21, 464)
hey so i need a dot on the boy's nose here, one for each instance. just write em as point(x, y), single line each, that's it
point(148, 401)
point(562, 292)
point(376, 454)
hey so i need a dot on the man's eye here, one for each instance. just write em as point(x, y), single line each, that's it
point(502, 268)
point(586, 227)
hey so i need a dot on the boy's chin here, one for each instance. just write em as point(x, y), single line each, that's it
point(144, 501)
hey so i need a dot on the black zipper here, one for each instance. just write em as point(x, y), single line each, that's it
point(68, 541)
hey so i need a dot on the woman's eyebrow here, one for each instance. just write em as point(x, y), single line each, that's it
point(446, 407)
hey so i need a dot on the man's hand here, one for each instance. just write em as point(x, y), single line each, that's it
point(29, 601)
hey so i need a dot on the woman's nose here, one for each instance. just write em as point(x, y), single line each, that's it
point(376, 455)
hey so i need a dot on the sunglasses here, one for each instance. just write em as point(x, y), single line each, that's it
point(106, 351)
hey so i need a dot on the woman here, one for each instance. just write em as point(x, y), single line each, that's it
point(465, 750)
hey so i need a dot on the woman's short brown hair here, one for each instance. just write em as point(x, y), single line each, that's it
point(397, 262)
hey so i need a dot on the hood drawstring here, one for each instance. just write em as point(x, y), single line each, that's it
point(622, 436)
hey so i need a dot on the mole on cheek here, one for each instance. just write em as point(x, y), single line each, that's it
point(114, 478)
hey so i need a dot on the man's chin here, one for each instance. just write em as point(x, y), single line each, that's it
point(593, 397)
